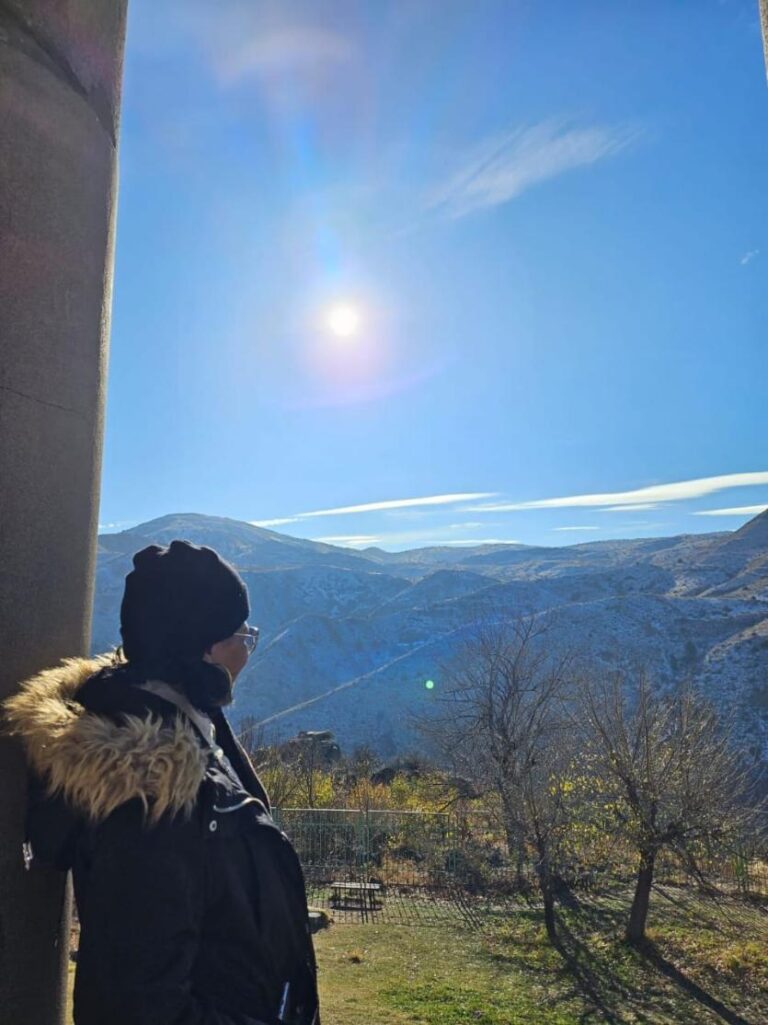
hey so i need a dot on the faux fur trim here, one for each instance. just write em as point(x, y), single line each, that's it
point(96, 764)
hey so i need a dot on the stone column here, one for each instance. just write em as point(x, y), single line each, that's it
point(764, 23)
point(60, 73)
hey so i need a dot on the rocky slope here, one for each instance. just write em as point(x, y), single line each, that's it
point(349, 638)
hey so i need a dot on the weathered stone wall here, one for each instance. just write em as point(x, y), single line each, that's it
point(60, 72)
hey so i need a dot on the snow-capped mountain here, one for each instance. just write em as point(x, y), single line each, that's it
point(349, 638)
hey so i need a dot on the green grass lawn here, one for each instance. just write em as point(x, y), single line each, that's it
point(707, 963)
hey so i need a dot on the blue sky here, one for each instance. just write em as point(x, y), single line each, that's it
point(487, 269)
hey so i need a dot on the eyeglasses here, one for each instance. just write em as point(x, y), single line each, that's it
point(250, 638)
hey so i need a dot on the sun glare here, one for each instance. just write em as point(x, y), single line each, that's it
point(343, 321)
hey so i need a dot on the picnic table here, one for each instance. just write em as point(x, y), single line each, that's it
point(356, 896)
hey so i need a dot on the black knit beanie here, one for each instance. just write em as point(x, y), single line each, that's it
point(178, 602)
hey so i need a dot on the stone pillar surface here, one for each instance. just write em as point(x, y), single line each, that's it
point(60, 74)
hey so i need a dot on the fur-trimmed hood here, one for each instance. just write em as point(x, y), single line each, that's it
point(98, 759)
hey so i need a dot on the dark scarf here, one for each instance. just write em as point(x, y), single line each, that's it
point(206, 685)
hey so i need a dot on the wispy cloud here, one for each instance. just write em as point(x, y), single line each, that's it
point(285, 49)
point(109, 528)
point(349, 540)
point(480, 541)
point(638, 507)
point(397, 503)
point(365, 541)
point(740, 510)
point(273, 43)
point(655, 494)
point(503, 166)
point(280, 521)
point(409, 540)
point(748, 257)
point(577, 528)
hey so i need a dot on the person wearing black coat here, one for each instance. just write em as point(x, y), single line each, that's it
point(191, 901)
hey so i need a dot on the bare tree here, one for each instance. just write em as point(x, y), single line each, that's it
point(308, 761)
point(670, 768)
point(279, 774)
point(501, 724)
point(297, 771)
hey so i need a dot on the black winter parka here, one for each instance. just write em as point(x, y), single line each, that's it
point(191, 901)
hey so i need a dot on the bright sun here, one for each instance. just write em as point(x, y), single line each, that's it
point(343, 320)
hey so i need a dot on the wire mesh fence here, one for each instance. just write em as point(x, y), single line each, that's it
point(428, 867)
point(738, 875)
point(381, 865)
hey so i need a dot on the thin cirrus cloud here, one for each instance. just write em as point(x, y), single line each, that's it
point(397, 503)
point(503, 166)
point(577, 528)
point(638, 507)
point(741, 510)
point(409, 540)
point(480, 541)
point(269, 42)
point(749, 257)
point(349, 540)
point(289, 49)
point(109, 528)
point(655, 494)
point(366, 541)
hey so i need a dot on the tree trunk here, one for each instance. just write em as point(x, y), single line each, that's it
point(515, 844)
point(549, 915)
point(639, 912)
point(520, 880)
point(516, 850)
point(544, 875)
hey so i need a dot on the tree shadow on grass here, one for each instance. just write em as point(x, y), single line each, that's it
point(616, 984)
point(682, 903)
point(597, 978)
point(666, 968)
point(622, 984)
point(579, 969)
point(713, 908)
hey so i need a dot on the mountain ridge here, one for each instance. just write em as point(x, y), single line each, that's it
point(350, 637)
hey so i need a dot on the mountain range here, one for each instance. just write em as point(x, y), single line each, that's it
point(350, 638)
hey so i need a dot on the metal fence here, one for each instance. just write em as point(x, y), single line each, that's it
point(425, 867)
point(738, 875)
point(397, 866)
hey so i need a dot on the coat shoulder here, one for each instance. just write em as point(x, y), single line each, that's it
point(99, 752)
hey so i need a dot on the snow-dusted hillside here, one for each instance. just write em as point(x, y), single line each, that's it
point(350, 637)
